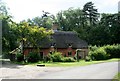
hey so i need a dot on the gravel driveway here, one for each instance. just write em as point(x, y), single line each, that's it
point(95, 71)
point(13, 71)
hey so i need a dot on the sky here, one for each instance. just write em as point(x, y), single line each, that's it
point(24, 9)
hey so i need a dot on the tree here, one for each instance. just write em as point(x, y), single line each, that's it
point(3, 10)
point(111, 23)
point(107, 31)
point(8, 36)
point(90, 13)
point(45, 20)
point(32, 34)
point(71, 19)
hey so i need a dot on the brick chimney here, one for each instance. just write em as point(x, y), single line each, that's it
point(55, 26)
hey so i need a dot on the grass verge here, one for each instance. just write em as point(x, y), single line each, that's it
point(68, 64)
point(80, 63)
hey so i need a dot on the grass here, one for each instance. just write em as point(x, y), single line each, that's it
point(117, 77)
point(80, 63)
point(68, 64)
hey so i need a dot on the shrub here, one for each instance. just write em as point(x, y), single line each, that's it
point(56, 57)
point(93, 48)
point(87, 58)
point(47, 58)
point(105, 52)
point(20, 57)
point(68, 59)
point(33, 57)
point(99, 54)
point(113, 50)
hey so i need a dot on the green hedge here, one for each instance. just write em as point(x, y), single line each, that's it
point(113, 50)
point(104, 52)
point(99, 54)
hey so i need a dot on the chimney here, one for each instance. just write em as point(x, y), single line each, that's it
point(55, 26)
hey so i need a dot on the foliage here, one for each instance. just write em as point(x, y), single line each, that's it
point(33, 57)
point(9, 37)
point(87, 58)
point(20, 57)
point(70, 19)
point(33, 34)
point(13, 33)
point(99, 54)
point(68, 59)
point(104, 52)
point(90, 13)
point(3, 10)
point(93, 48)
point(45, 20)
point(85, 22)
point(56, 57)
point(113, 50)
point(106, 32)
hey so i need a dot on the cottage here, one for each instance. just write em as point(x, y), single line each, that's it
point(66, 42)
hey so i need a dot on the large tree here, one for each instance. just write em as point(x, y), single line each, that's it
point(8, 36)
point(91, 13)
point(107, 31)
point(45, 20)
point(70, 19)
point(32, 35)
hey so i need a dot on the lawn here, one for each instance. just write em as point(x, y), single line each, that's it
point(68, 64)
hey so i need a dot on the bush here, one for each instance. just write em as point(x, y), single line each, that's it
point(47, 58)
point(56, 57)
point(87, 58)
point(93, 48)
point(105, 52)
point(33, 57)
point(99, 54)
point(20, 57)
point(68, 59)
point(113, 50)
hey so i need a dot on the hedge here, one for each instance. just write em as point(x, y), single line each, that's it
point(105, 52)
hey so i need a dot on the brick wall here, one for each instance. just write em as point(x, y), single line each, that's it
point(63, 51)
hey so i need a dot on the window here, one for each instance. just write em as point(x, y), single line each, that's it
point(69, 53)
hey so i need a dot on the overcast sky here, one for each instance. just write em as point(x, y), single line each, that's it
point(24, 9)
